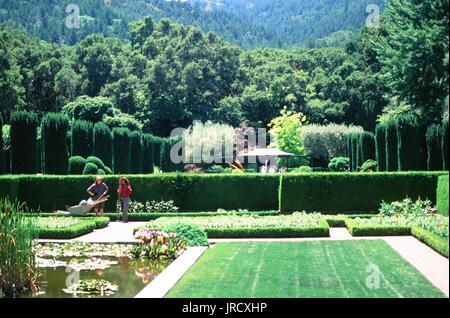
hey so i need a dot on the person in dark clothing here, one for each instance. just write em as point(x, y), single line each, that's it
point(98, 190)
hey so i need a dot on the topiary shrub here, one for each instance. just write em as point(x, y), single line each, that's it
point(380, 145)
point(408, 143)
point(103, 143)
point(191, 234)
point(434, 161)
point(136, 153)
point(367, 140)
point(54, 147)
point(90, 169)
point(96, 161)
point(391, 147)
point(339, 164)
point(76, 165)
point(108, 170)
point(101, 172)
point(369, 166)
point(148, 153)
point(121, 158)
point(82, 138)
point(23, 139)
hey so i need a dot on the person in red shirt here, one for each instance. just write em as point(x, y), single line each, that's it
point(124, 192)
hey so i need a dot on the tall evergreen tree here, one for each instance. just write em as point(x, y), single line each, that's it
point(55, 154)
point(391, 147)
point(434, 148)
point(82, 138)
point(122, 148)
point(103, 143)
point(23, 138)
point(136, 152)
point(380, 135)
point(408, 143)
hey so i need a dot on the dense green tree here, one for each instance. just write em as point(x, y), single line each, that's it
point(380, 137)
point(82, 138)
point(103, 143)
point(148, 145)
point(2, 160)
point(92, 109)
point(408, 143)
point(55, 155)
point(391, 147)
point(136, 152)
point(23, 142)
point(122, 148)
point(444, 144)
point(434, 148)
point(367, 140)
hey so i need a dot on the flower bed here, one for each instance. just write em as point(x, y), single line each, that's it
point(234, 226)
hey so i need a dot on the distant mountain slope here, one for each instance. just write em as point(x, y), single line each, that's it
point(247, 23)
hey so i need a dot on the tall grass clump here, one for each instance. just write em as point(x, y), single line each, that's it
point(17, 261)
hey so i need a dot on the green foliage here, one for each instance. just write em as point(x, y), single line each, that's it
point(444, 144)
point(23, 134)
point(82, 138)
point(406, 207)
point(96, 161)
point(122, 148)
point(408, 143)
point(339, 164)
point(391, 147)
point(90, 169)
point(191, 234)
point(81, 228)
point(17, 260)
point(369, 166)
point(2, 169)
point(380, 139)
point(355, 151)
point(148, 149)
point(76, 165)
point(87, 108)
point(326, 142)
point(442, 195)
point(54, 133)
point(433, 136)
point(434, 241)
point(376, 230)
point(136, 153)
point(353, 192)
point(302, 169)
point(103, 143)
point(367, 144)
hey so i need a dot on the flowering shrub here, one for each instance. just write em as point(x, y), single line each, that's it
point(407, 207)
point(151, 207)
point(157, 245)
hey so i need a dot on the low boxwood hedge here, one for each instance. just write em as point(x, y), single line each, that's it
point(339, 220)
point(67, 233)
point(376, 230)
point(333, 193)
point(434, 241)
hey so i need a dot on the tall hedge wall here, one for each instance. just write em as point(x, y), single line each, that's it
point(380, 140)
point(442, 195)
point(148, 153)
point(157, 143)
point(190, 192)
point(136, 153)
point(354, 151)
point(408, 143)
point(103, 143)
point(353, 192)
point(444, 144)
point(23, 135)
point(82, 138)
point(122, 144)
point(55, 156)
point(434, 148)
point(367, 140)
point(391, 147)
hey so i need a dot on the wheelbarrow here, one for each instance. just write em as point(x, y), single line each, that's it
point(83, 209)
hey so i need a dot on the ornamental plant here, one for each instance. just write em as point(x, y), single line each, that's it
point(158, 245)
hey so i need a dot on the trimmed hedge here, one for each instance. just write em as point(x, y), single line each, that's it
point(353, 192)
point(82, 138)
point(380, 142)
point(76, 165)
point(136, 153)
point(391, 147)
point(444, 144)
point(367, 141)
point(322, 230)
point(434, 241)
point(103, 143)
point(148, 154)
point(354, 137)
point(190, 192)
point(408, 143)
point(23, 136)
point(55, 155)
point(67, 233)
point(442, 195)
point(376, 230)
point(434, 148)
point(122, 146)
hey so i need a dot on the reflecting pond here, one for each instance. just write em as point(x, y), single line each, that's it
point(130, 275)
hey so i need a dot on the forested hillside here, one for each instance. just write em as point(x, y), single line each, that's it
point(247, 23)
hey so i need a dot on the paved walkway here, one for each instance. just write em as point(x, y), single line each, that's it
point(431, 264)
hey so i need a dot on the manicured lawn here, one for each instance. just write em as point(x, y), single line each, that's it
point(303, 269)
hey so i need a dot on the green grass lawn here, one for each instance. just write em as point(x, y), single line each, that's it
point(303, 269)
